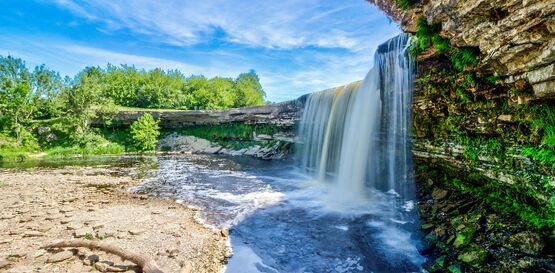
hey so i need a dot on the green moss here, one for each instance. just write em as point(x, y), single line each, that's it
point(227, 132)
point(474, 255)
point(405, 4)
point(509, 200)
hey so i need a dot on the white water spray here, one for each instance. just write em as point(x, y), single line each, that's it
point(356, 137)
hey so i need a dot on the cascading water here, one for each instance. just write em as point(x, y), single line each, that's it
point(349, 221)
point(356, 137)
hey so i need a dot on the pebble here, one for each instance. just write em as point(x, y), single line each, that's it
point(136, 231)
point(39, 253)
point(33, 233)
point(91, 260)
point(225, 232)
point(105, 233)
point(6, 241)
point(73, 226)
point(60, 256)
point(107, 267)
point(7, 216)
point(82, 232)
point(4, 264)
point(17, 254)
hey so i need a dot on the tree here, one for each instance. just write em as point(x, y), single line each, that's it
point(46, 85)
point(81, 96)
point(145, 131)
point(16, 96)
point(249, 90)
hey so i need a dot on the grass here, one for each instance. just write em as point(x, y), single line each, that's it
point(106, 149)
point(13, 155)
point(228, 132)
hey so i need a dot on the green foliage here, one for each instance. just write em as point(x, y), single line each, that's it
point(405, 4)
point(236, 135)
point(463, 58)
point(249, 90)
point(40, 111)
point(16, 95)
point(157, 88)
point(429, 36)
point(509, 200)
point(544, 123)
point(145, 132)
point(544, 157)
point(226, 132)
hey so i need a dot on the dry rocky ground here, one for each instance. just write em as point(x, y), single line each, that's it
point(41, 206)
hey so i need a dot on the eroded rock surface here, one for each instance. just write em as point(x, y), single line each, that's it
point(516, 38)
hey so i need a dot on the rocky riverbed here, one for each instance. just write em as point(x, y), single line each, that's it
point(42, 205)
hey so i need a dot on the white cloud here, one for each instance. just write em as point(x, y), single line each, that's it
point(281, 24)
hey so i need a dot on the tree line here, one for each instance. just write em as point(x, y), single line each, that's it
point(29, 96)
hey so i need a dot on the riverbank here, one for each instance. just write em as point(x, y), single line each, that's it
point(41, 206)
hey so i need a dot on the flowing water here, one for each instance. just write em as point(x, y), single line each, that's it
point(347, 207)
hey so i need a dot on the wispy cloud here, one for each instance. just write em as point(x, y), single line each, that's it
point(282, 24)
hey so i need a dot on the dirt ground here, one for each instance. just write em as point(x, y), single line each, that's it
point(41, 206)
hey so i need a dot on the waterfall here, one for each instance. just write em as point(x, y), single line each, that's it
point(356, 137)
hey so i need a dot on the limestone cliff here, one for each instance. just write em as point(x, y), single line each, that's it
point(516, 38)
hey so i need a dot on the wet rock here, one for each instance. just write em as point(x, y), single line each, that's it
point(455, 268)
point(60, 256)
point(439, 264)
point(439, 194)
point(91, 260)
point(527, 242)
point(474, 255)
point(464, 237)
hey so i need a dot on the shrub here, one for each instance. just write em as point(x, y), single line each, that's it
point(145, 132)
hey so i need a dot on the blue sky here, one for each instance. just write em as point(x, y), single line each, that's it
point(295, 46)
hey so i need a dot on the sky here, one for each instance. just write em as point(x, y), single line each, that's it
point(295, 46)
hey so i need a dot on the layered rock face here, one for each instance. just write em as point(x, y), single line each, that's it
point(281, 114)
point(516, 38)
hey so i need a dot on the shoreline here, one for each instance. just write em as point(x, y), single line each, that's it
point(43, 205)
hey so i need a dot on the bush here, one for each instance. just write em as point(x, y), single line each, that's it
point(145, 132)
